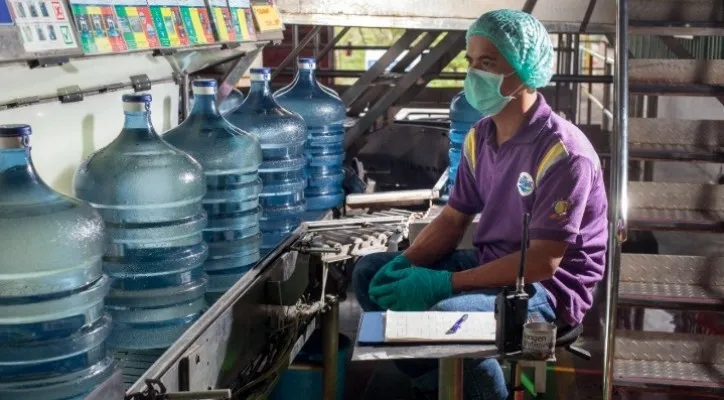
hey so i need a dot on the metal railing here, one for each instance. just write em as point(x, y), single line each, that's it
point(618, 194)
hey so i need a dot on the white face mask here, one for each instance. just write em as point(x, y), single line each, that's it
point(482, 91)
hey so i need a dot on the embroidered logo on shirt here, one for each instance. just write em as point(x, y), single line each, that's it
point(525, 184)
point(560, 210)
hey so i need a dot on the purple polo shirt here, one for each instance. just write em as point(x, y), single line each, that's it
point(549, 169)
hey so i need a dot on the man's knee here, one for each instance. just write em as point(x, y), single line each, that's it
point(482, 300)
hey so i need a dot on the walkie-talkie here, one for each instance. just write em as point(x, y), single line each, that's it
point(511, 305)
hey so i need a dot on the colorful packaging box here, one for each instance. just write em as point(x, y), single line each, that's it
point(43, 24)
point(266, 15)
point(222, 21)
point(98, 26)
point(136, 24)
point(197, 21)
point(169, 25)
point(243, 20)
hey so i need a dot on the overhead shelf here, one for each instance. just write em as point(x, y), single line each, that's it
point(557, 15)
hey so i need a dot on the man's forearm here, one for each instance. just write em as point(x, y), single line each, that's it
point(503, 272)
point(435, 241)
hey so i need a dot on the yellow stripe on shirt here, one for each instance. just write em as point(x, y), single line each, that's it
point(556, 153)
point(469, 149)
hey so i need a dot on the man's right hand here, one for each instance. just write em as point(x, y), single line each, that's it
point(391, 271)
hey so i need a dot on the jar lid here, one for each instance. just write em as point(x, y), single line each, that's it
point(18, 130)
point(137, 98)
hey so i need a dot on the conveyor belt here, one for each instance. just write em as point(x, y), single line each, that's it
point(663, 281)
point(652, 359)
point(676, 206)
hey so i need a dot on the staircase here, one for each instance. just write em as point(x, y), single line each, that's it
point(658, 361)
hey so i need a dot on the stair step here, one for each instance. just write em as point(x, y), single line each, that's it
point(649, 360)
point(676, 77)
point(672, 282)
point(676, 206)
point(676, 17)
point(667, 139)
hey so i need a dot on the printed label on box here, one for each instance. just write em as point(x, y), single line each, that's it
point(98, 26)
point(222, 22)
point(167, 20)
point(197, 21)
point(267, 16)
point(136, 24)
point(44, 25)
point(243, 20)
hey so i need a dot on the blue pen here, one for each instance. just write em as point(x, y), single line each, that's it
point(457, 325)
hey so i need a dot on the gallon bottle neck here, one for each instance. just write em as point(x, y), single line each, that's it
point(204, 104)
point(11, 158)
point(306, 77)
point(260, 88)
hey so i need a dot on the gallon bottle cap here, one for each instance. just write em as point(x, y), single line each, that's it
point(204, 86)
point(260, 74)
point(19, 130)
point(306, 63)
point(14, 136)
point(136, 102)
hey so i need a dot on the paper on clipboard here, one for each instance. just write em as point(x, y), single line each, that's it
point(432, 326)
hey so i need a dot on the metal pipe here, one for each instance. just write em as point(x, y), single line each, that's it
point(450, 379)
point(330, 348)
point(563, 78)
point(185, 88)
point(330, 46)
point(295, 52)
point(592, 53)
point(619, 195)
point(415, 196)
point(598, 103)
point(198, 395)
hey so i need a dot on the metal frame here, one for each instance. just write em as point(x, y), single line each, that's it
point(288, 60)
point(619, 194)
point(379, 67)
point(453, 40)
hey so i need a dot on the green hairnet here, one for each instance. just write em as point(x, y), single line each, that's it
point(523, 41)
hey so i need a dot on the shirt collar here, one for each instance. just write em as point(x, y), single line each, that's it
point(536, 119)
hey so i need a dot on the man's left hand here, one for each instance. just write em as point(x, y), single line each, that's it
point(418, 290)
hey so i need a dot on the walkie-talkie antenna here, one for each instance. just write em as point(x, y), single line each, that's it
point(520, 282)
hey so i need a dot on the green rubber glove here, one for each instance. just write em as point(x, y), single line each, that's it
point(390, 271)
point(417, 289)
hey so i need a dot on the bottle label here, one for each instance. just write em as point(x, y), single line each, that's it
point(134, 107)
point(12, 142)
point(204, 90)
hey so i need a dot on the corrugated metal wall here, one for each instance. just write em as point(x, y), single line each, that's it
point(704, 47)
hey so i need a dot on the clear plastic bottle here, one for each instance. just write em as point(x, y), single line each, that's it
point(231, 159)
point(149, 195)
point(324, 113)
point(52, 325)
point(462, 118)
point(231, 102)
point(282, 135)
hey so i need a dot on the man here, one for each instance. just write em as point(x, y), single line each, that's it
point(521, 158)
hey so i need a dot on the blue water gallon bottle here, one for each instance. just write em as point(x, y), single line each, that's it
point(323, 113)
point(462, 118)
point(282, 135)
point(231, 159)
point(149, 194)
point(231, 102)
point(52, 326)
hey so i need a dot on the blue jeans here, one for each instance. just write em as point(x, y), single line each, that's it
point(482, 379)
